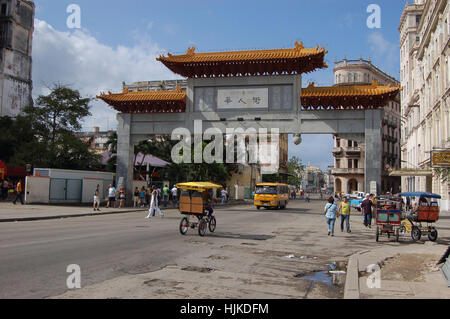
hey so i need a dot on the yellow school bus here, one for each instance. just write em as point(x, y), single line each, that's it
point(275, 195)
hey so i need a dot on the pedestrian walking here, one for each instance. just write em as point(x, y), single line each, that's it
point(344, 211)
point(142, 197)
point(136, 196)
point(5, 188)
point(19, 192)
point(122, 197)
point(97, 199)
point(224, 195)
point(366, 207)
point(154, 204)
point(111, 196)
point(331, 214)
point(166, 192)
point(174, 192)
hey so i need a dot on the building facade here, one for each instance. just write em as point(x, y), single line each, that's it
point(97, 139)
point(425, 76)
point(349, 155)
point(16, 36)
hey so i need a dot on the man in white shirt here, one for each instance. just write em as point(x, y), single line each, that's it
point(174, 192)
point(224, 195)
point(111, 196)
point(154, 204)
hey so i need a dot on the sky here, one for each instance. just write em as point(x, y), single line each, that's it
point(119, 41)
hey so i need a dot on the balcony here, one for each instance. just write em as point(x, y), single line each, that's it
point(344, 171)
point(353, 151)
point(338, 151)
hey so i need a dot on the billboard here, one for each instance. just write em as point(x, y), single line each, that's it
point(440, 159)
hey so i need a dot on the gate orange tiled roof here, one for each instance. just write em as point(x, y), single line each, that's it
point(256, 62)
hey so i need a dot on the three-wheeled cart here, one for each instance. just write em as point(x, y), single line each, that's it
point(196, 204)
point(388, 216)
point(420, 219)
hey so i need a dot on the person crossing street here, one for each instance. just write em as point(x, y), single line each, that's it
point(154, 204)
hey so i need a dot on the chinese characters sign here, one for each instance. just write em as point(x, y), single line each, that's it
point(243, 98)
point(441, 159)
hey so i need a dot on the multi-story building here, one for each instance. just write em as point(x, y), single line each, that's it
point(97, 140)
point(349, 155)
point(168, 85)
point(313, 178)
point(425, 76)
point(16, 36)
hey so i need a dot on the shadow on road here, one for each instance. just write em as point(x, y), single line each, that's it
point(241, 236)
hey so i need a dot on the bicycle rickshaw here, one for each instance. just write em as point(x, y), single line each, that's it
point(388, 216)
point(425, 212)
point(195, 203)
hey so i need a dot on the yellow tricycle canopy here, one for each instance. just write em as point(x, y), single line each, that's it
point(198, 186)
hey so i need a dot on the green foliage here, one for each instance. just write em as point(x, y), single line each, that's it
point(45, 137)
point(295, 167)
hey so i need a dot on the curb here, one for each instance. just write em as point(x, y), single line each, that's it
point(28, 219)
point(351, 290)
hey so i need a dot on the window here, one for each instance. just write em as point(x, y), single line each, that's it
point(338, 163)
point(338, 142)
point(4, 9)
point(350, 144)
point(350, 79)
point(350, 163)
point(418, 17)
point(355, 144)
point(355, 163)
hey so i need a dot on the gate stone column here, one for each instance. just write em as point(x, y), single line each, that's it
point(125, 156)
point(373, 148)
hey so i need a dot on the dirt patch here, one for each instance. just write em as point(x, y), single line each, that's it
point(408, 267)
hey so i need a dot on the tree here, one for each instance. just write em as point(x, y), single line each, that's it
point(53, 120)
point(295, 168)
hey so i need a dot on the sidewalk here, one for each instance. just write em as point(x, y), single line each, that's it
point(15, 213)
point(408, 271)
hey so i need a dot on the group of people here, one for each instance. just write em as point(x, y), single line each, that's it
point(150, 196)
point(12, 191)
point(335, 208)
point(114, 197)
point(142, 197)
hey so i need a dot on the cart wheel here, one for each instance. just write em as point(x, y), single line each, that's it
point(377, 235)
point(397, 234)
point(416, 233)
point(202, 227)
point(433, 234)
point(212, 224)
point(184, 226)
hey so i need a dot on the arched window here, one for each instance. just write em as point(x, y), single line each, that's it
point(350, 77)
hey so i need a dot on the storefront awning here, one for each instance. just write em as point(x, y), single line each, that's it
point(409, 172)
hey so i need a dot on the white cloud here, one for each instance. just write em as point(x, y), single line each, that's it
point(78, 59)
point(385, 51)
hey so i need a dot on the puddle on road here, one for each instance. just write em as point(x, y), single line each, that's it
point(333, 277)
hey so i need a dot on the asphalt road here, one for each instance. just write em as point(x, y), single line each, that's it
point(34, 255)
